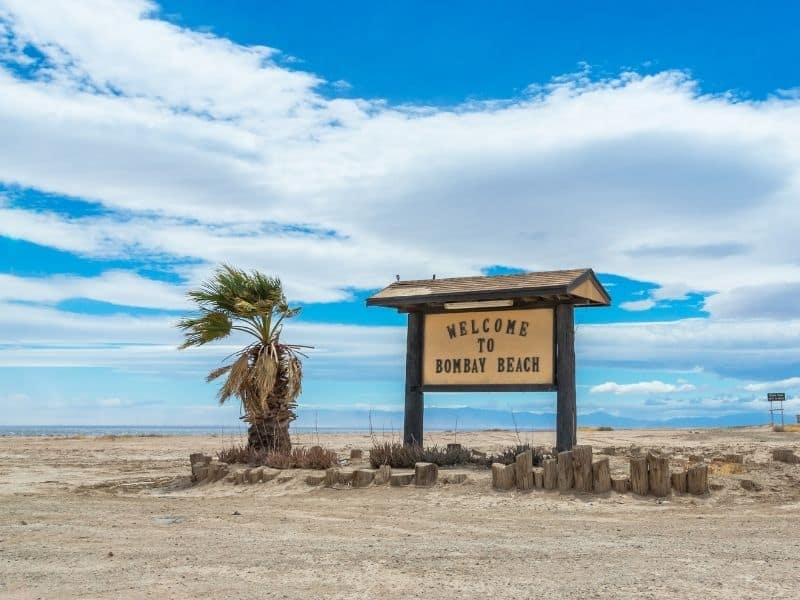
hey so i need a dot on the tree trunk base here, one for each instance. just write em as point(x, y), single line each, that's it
point(269, 436)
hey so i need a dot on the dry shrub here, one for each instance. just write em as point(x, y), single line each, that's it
point(315, 457)
point(400, 456)
point(605, 428)
point(726, 468)
point(508, 455)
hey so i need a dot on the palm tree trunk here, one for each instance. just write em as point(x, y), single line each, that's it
point(267, 435)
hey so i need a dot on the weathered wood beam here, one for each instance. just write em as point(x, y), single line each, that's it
point(566, 420)
point(412, 425)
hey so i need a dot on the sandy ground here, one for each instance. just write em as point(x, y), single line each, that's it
point(117, 518)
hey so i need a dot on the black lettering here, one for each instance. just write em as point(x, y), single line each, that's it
point(486, 326)
point(490, 345)
point(456, 365)
point(527, 364)
point(438, 365)
point(511, 326)
point(501, 364)
point(481, 341)
point(448, 365)
point(535, 361)
point(451, 330)
point(474, 327)
point(519, 365)
point(523, 328)
point(498, 325)
point(462, 327)
point(482, 363)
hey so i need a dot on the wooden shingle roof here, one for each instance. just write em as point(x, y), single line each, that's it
point(574, 286)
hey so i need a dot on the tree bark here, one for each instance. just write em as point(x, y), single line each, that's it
point(550, 474)
point(697, 480)
point(639, 480)
point(269, 436)
point(658, 475)
point(678, 480)
point(601, 476)
point(503, 476)
point(582, 466)
point(621, 485)
point(524, 470)
point(566, 474)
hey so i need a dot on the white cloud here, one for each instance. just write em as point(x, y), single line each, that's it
point(116, 287)
point(641, 387)
point(637, 305)
point(195, 138)
point(776, 386)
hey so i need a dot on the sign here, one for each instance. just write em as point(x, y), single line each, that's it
point(781, 397)
point(495, 347)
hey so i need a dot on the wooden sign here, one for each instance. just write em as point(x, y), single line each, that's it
point(489, 348)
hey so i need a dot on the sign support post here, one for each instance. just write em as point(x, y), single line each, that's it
point(566, 413)
point(412, 426)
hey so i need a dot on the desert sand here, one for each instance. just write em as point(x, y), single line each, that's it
point(108, 517)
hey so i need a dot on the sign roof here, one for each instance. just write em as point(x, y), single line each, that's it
point(574, 286)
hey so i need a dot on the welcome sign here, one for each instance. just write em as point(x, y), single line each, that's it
point(493, 347)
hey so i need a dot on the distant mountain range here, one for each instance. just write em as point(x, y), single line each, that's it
point(481, 418)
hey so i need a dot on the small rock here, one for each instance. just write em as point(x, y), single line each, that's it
point(110, 554)
point(750, 485)
point(356, 454)
point(236, 513)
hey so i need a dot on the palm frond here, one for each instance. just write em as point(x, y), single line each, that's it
point(208, 327)
point(217, 373)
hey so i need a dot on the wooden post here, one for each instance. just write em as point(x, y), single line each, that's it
point(566, 474)
point(582, 465)
point(697, 479)
point(524, 470)
point(412, 425)
point(658, 475)
point(601, 476)
point(550, 474)
point(639, 480)
point(565, 378)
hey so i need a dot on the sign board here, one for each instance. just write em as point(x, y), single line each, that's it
point(489, 348)
point(781, 397)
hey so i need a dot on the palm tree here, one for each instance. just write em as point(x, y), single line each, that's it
point(265, 375)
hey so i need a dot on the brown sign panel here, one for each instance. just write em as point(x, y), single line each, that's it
point(495, 347)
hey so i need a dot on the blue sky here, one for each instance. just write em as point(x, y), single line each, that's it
point(336, 145)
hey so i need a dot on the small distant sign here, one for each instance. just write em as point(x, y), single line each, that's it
point(779, 397)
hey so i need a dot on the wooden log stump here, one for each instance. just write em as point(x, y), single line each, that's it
point(454, 478)
point(678, 481)
point(784, 455)
point(331, 476)
point(363, 477)
point(503, 476)
point(401, 479)
point(199, 472)
point(658, 475)
point(523, 468)
point(582, 467)
point(254, 475)
point(601, 476)
point(425, 474)
point(383, 474)
point(550, 474)
point(566, 472)
point(697, 480)
point(356, 454)
point(453, 447)
point(538, 478)
point(268, 474)
point(315, 479)
point(639, 480)
point(621, 485)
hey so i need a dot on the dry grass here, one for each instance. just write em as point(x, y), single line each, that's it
point(315, 457)
point(726, 468)
point(400, 456)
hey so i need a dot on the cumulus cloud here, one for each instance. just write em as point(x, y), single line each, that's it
point(638, 305)
point(792, 383)
point(641, 387)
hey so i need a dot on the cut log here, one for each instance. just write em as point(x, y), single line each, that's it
point(566, 474)
point(601, 476)
point(697, 480)
point(621, 485)
point(785, 455)
point(550, 474)
point(582, 467)
point(268, 474)
point(383, 475)
point(454, 478)
point(503, 476)
point(425, 474)
point(331, 476)
point(254, 475)
point(199, 471)
point(238, 477)
point(315, 479)
point(538, 478)
point(524, 470)
point(401, 479)
point(639, 479)
point(658, 475)
point(356, 454)
point(678, 481)
point(363, 477)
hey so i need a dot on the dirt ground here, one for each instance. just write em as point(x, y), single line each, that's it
point(110, 517)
